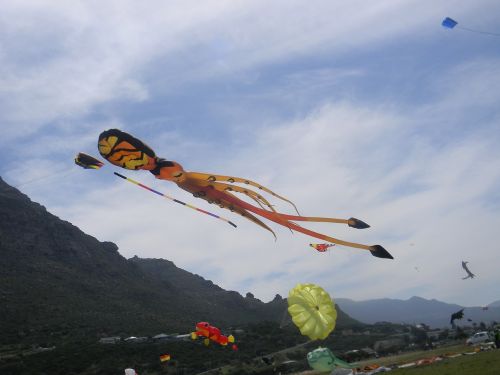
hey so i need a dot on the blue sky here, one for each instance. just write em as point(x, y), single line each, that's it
point(346, 108)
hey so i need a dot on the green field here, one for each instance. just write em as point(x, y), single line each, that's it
point(482, 363)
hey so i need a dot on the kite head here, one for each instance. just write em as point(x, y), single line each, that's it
point(168, 170)
point(203, 328)
point(126, 151)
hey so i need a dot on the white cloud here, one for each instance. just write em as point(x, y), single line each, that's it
point(413, 174)
point(60, 61)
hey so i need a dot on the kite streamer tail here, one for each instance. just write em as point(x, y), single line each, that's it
point(173, 199)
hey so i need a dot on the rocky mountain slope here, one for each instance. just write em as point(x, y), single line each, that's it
point(56, 281)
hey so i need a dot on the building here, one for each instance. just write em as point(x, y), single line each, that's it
point(390, 344)
point(110, 340)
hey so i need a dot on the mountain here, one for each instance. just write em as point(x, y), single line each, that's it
point(494, 304)
point(415, 310)
point(58, 282)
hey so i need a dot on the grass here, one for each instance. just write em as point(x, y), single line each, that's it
point(413, 356)
point(482, 363)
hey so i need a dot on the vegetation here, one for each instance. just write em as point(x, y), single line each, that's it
point(483, 363)
point(60, 285)
point(255, 341)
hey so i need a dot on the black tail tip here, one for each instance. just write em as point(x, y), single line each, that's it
point(356, 223)
point(379, 252)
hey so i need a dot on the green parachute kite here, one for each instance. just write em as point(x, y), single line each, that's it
point(312, 310)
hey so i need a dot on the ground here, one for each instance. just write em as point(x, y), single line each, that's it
point(481, 363)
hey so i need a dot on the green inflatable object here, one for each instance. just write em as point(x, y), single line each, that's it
point(322, 359)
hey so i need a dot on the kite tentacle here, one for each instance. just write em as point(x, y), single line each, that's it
point(224, 201)
point(376, 250)
point(259, 199)
point(352, 222)
point(218, 178)
point(224, 187)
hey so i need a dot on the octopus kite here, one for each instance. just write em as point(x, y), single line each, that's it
point(126, 151)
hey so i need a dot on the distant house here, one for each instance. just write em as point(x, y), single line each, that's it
point(186, 337)
point(390, 344)
point(162, 337)
point(369, 351)
point(136, 339)
point(423, 326)
point(289, 365)
point(169, 337)
point(435, 334)
point(110, 340)
point(39, 349)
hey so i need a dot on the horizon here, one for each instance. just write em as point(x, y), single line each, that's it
point(374, 111)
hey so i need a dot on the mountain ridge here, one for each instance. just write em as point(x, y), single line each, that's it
point(57, 281)
point(415, 310)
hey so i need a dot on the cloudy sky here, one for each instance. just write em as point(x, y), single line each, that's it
point(349, 109)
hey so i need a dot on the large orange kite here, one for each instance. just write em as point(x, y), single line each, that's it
point(126, 151)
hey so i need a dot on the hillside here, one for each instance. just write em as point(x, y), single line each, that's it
point(57, 282)
point(494, 304)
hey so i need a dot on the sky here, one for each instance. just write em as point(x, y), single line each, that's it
point(356, 109)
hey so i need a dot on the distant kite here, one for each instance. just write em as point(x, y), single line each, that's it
point(458, 315)
point(164, 358)
point(211, 333)
point(321, 247)
point(87, 162)
point(450, 23)
point(469, 274)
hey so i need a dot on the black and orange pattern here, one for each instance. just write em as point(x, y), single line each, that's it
point(125, 151)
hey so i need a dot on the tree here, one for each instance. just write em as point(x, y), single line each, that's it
point(460, 334)
point(443, 335)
